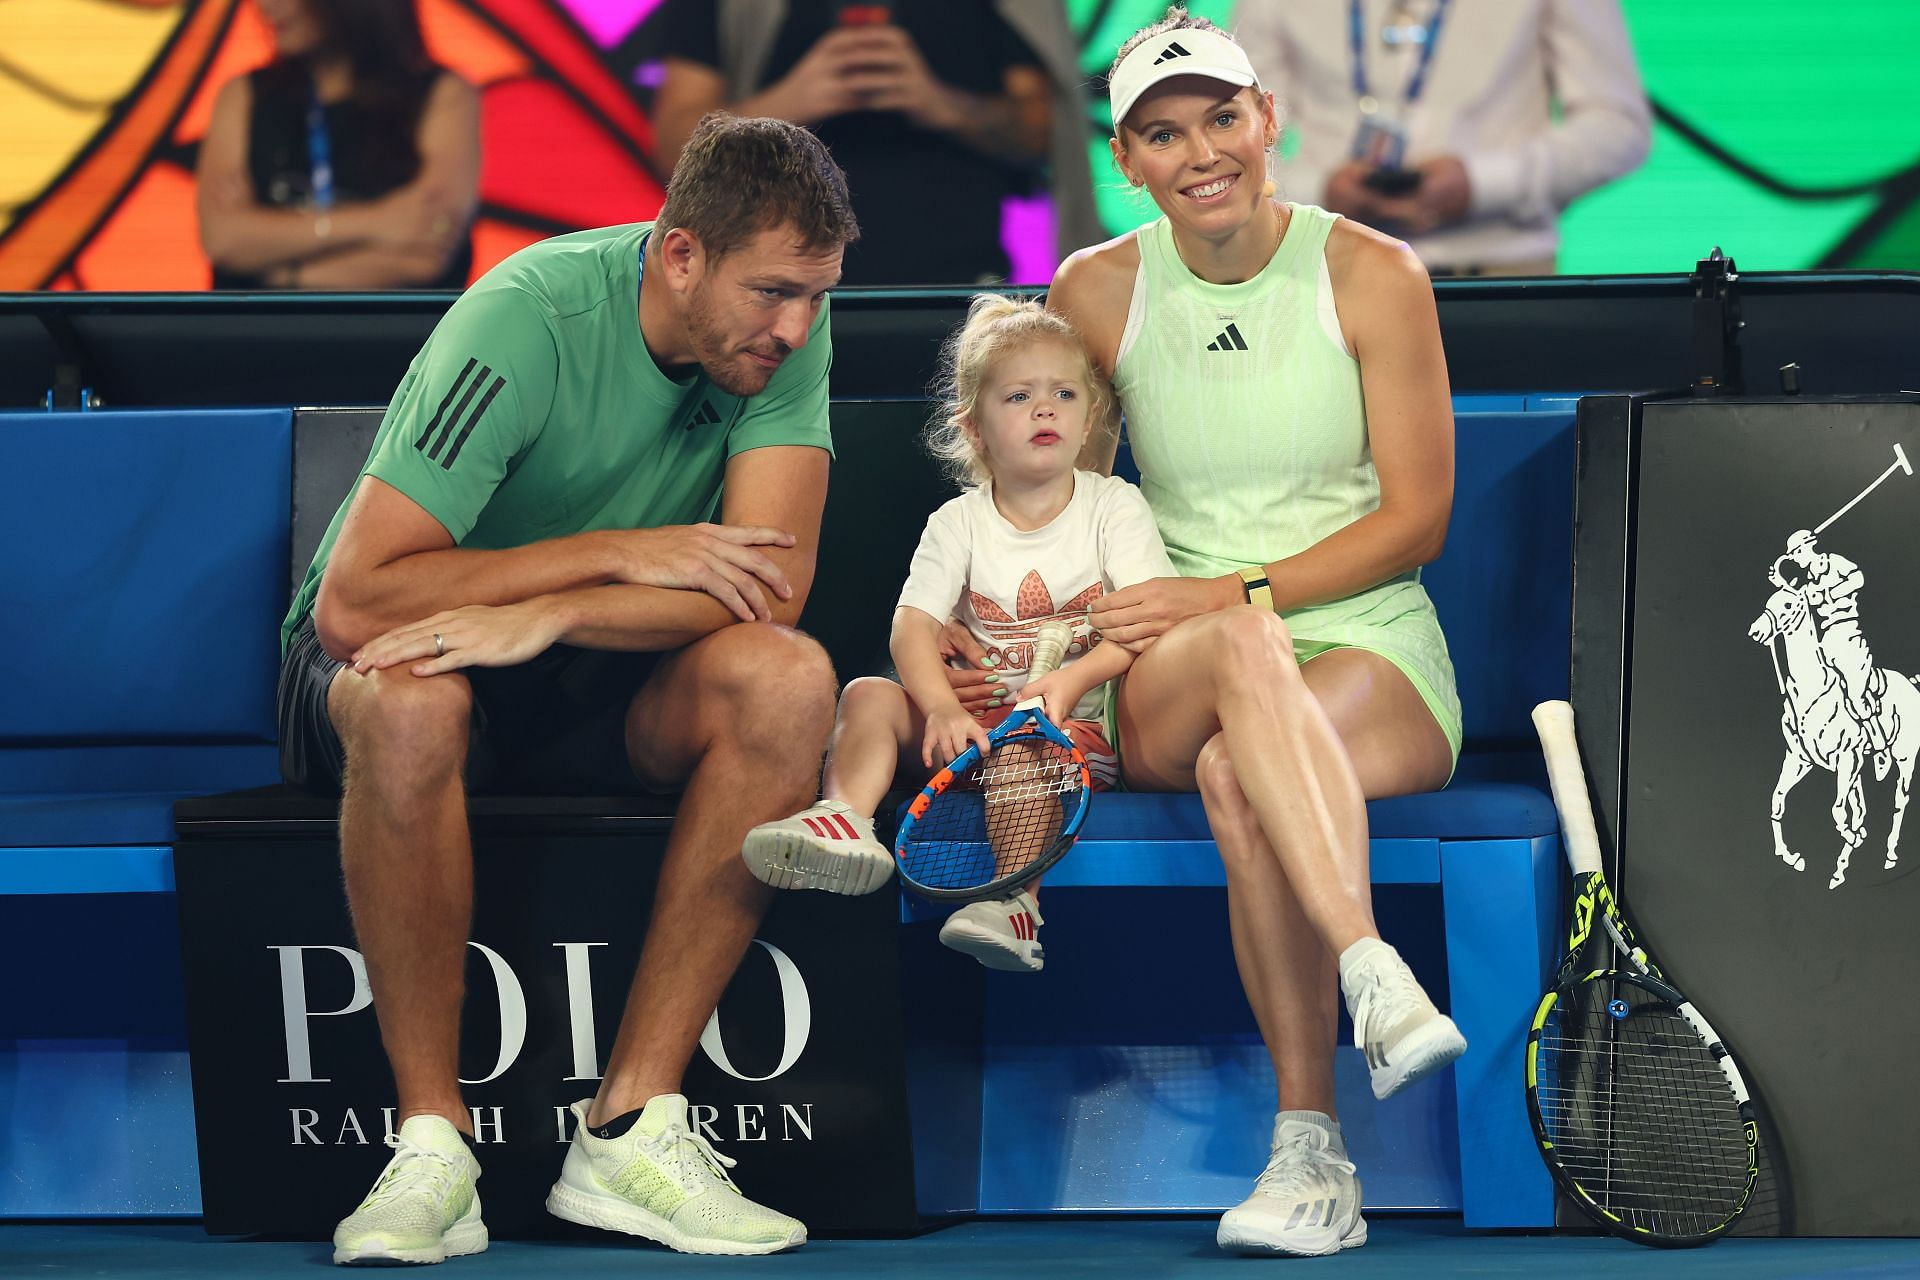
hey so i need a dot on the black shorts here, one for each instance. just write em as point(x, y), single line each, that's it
point(553, 726)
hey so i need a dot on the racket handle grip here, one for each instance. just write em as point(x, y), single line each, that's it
point(1050, 647)
point(1554, 721)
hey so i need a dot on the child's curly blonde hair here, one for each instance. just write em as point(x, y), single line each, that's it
point(996, 323)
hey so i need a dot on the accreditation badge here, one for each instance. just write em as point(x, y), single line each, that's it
point(1381, 140)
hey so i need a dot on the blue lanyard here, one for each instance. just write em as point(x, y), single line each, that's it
point(1419, 81)
point(319, 154)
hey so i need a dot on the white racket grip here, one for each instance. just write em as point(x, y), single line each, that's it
point(1554, 721)
point(1049, 648)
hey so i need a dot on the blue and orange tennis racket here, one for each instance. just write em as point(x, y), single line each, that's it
point(993, 821)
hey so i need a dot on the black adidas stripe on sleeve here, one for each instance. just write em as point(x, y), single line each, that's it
point(434, 440)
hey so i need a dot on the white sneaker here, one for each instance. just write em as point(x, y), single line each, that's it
point(1001, 933)
point(662, 1180)
point(1394, 1023)
point(826, 847)
point(1307, 1201)
point(424, 1207)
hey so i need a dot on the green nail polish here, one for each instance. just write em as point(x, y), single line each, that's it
point(993, 677)
point(989, 661)
point(991, 705)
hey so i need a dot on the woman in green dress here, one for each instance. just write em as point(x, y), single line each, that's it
point(1286, 399)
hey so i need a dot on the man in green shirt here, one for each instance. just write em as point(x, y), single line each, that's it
point(523, 591)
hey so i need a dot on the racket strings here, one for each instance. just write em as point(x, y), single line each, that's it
point(1639, 1112)
point(1004, 816)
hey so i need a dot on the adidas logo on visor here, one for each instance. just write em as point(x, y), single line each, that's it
point(1173, 50)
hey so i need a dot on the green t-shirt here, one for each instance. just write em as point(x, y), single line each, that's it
point(534, 410)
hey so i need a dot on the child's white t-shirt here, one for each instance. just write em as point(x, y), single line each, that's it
point(1003, 582)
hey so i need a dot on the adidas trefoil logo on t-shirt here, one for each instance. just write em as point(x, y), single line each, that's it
point(1032, 606)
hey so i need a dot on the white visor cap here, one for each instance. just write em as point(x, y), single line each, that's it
point(1181, 52)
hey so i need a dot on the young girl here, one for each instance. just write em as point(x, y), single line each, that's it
point(1032, 539)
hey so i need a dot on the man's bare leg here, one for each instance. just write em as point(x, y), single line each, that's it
point(742, 717)
point(408, 863)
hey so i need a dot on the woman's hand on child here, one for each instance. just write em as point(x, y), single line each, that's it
point(974, 682)
point(1136, 616)
point(949, 730)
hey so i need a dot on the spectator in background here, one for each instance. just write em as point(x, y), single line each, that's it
point(351, 161)
point(1465, 128)
point(937, 112)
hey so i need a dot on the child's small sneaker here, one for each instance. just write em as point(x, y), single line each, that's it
point(828, 846)
point(1002, 933)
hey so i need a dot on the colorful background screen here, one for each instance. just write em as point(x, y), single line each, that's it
point(1783, 132)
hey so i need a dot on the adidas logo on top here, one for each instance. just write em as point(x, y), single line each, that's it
point(1173, 50)
point(1229, 340)
point(705, 416)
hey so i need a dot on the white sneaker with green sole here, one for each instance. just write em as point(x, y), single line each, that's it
point(423, 1208)
point(661, 1180)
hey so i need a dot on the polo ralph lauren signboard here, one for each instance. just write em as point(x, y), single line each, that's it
point(801, 1074)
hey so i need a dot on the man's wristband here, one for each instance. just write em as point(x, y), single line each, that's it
point(1254, 581)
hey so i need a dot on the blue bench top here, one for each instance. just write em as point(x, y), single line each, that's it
point(62, 796)
point(167, 531)
point(1464, 811)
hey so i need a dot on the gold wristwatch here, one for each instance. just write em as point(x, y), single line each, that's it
point(1259, 591)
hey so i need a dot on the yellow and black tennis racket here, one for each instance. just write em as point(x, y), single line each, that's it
point(1640, 1111)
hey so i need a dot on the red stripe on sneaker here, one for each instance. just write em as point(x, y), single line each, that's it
point(817, 827)
point(846, 827)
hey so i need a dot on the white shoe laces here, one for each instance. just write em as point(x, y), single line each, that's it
point(678, 1140)
point(414, 1166)
point(1388, 994)
point(1296, 1166)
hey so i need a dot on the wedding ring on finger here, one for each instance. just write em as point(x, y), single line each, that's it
point(439, 646)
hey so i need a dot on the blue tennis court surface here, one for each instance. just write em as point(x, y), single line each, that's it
point(1057, 1248)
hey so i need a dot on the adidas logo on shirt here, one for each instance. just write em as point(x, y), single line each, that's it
point(705, 416)
point(1229, 340)
point(1173, 50)
point(459, 424)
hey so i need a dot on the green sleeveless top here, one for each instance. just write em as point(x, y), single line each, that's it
point(1244, 410)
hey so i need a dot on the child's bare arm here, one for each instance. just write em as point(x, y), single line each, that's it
point(915, 644)
point(916, 656)
point(1063, 689)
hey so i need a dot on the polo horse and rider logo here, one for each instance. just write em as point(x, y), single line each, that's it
point(1842, 712)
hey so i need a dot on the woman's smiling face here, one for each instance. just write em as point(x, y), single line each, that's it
point(1199, 147)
